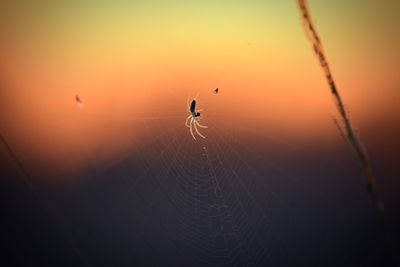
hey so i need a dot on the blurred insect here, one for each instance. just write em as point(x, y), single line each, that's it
point(78, 101)
point(216, 91)
point(192, 121)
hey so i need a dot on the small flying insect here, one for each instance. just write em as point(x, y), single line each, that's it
point(192, 121)
point(216, 91)
point(78, 101)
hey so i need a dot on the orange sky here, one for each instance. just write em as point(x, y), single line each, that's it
point(143, 60)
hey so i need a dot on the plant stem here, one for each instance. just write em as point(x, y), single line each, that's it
point(350, 134)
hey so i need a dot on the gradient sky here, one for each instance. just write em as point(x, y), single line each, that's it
point(128, 59)
point(121, 182)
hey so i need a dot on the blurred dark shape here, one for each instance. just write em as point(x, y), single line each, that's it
point(78, 101)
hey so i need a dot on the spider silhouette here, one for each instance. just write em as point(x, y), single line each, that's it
point(192, 121)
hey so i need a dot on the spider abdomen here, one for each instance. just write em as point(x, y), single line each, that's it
point(193, 107)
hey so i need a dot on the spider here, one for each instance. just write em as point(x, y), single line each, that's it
point(192, 121)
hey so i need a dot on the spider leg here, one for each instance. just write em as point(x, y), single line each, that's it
point(201, 126)
point(197, 131)
point(191, 130)
point(187, 120)
point(187, 101)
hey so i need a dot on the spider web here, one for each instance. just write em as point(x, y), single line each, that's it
point(191, 202)
point(219, 201)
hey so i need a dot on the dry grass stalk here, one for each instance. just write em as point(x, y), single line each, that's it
point(348, 129)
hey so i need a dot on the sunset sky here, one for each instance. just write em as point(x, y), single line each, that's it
point(97, 167)
point(130, 59)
